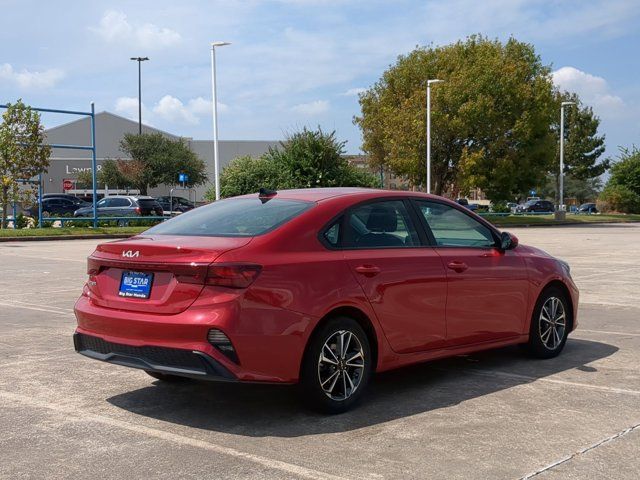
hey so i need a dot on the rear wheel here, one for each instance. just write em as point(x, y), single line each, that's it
point(550, 324)
point(337, 366)
point(165, 377)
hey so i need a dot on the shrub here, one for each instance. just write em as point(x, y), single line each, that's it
point(618, 198)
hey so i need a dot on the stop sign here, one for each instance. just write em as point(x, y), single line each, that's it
point(67, 184)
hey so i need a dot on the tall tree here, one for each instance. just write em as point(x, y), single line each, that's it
point(582, 144)
point(22, 153)
point(490, 120)
point(622, 192)
point(157, 160)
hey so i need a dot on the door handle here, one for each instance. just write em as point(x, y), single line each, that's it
point(457, 266)
point(368, 270)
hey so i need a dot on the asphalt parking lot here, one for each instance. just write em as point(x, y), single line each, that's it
point(496, 414)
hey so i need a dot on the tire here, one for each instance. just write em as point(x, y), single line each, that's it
point(334, 377)
point(165, 377)
point(550, 324)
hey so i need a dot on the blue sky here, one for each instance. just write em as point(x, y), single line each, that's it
point(296, 63)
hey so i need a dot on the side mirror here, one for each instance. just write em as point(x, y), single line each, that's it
point(508, 241)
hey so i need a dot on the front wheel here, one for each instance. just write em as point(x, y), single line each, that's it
point(337, 366)
point(550, 324)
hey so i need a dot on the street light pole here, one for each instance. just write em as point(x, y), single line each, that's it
point(214, 101)
point(429, 82)
point(140, 60)
point(561, 183)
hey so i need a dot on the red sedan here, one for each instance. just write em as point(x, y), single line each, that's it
point(320, 287)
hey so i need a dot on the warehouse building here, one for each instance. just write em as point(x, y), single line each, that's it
point(110, 129)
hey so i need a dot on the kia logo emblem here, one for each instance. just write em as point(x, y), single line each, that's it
point(130, 254)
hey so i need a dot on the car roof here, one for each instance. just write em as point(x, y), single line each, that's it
point(320, 194)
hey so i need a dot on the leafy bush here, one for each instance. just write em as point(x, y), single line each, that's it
point(500, 207)
point(618, 198)
point(307, 159)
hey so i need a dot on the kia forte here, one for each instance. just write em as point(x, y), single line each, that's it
point(320, 288)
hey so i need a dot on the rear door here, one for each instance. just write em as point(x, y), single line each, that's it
point(404, 280)
point(487, 287)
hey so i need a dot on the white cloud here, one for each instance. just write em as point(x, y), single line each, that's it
point(169, 109)
point(354, 92)
point(114, 27)
point(312, 108)
point(593, 90)
point(27, 79)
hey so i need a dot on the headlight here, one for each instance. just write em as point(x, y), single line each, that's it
point(565, 266)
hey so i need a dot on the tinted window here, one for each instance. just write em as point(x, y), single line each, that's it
point(237, 217)
point(103, 203)
point(146, 202)
point(380, 224)
point(119, 202)
point(453, 228)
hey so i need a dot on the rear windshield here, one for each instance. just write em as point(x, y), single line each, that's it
point(236, 217)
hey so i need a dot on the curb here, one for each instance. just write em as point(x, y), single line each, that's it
point(66, 237)
point(560, 224)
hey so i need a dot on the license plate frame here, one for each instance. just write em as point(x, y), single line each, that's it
point(135, 284)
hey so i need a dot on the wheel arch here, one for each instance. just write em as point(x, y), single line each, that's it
point(359, 316)
point(564, 289)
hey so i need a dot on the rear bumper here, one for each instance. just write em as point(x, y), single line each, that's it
point(173, 361)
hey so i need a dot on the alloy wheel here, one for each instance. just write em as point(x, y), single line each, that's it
point(341, 365)
point(553, 323)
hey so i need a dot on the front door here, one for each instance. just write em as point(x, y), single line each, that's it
point(487, 287)
point(403, 279)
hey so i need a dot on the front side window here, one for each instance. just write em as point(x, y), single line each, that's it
point(235, 217)
point(453, 228)
point(384, 224)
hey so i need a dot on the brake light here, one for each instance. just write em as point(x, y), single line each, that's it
point(232, 275)
point(138, 210)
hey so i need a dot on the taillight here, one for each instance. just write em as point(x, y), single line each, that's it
point(93, 267)
point(137, 210)
point(231, 275)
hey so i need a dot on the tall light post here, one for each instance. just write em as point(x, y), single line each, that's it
point(140, 60)
point(216, 161)
point(429, 83)
point(561, 186)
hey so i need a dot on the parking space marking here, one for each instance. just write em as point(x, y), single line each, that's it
point(72, 411)
point(37, 308)
point(493, 373)
point(582, 451)
point(47, 258)
point(607, 332)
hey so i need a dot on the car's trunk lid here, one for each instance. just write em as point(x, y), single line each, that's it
point(175, 262)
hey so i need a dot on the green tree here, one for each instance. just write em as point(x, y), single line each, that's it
point(490, 120)
point(156, 159)
point(306, 159)
point(622, 192)
point(22, 153)
point(582, 189)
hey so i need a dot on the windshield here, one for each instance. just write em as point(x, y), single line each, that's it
point(236, 217)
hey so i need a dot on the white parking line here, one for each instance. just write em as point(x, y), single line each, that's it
point(61, 259)
point(73, 411)
point(55, 310)
point(607, 332)
point(493, 373)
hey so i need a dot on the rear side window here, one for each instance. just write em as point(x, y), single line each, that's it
point(383, 224)
point(120, 202)
point(235, 217)
point(146, 202)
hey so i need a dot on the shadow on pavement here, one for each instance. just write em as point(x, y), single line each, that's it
point(271, 410)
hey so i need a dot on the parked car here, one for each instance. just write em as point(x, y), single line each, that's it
point(321, 287)
point(180, 204)
point(536, 206)
point(512, 206)
point(587, 208)
point(123, 206)
point(465, 203)
point(54, 205)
